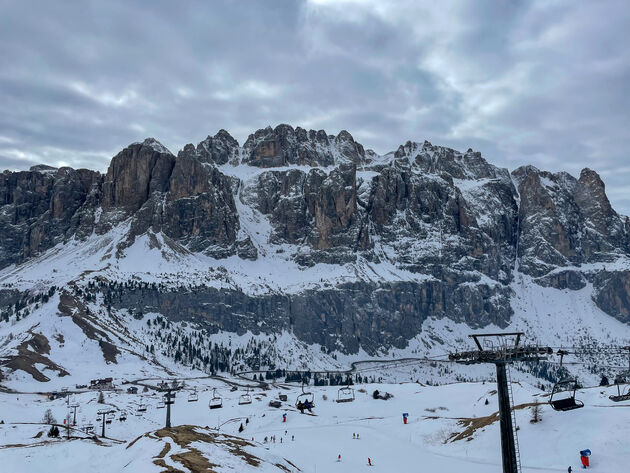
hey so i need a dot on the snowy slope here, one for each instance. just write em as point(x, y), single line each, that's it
point(450, 429)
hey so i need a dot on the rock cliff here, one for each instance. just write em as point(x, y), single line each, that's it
point(298, 230)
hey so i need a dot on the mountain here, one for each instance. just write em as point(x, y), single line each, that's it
point(298, 248)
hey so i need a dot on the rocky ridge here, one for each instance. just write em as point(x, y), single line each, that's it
point(422, 232)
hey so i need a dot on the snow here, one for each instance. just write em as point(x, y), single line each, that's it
point(548, 317)
point(426, 442)
point(154, 144)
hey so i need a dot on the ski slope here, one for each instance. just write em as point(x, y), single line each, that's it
point(450, 429)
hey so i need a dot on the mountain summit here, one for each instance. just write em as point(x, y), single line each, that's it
point(304, 233)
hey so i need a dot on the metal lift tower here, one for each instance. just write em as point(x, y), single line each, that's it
point(501, 354)
point(169, 396)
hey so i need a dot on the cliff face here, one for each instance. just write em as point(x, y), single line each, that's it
point(43, 207)
point(384, 242)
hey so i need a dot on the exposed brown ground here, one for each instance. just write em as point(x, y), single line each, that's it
point(472, 424)
point(191, 459)
point(31, 352)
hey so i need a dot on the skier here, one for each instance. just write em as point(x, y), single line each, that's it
point(369, 461)
point(354, 436)
point(300, 407)
point(292, 438)
point(569, 470)
point(584, 460)
point(339, 458)
point(357, 436)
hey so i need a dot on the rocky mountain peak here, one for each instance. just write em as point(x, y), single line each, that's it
point(135, 173)
point(441, 160)
point(284, 146)
point(153, 144)
point(381, 243)
point(218, 149)
point(590, 193)
point(43, 168)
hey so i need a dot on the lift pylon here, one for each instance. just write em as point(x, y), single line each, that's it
point(500, 355)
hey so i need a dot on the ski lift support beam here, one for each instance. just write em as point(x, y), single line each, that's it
point(500, 357)
point(169, 389)
point(103, 413)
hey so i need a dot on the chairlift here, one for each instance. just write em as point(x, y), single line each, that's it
point(305, 396)
point(622, 395)
point(193, 397)
point(245, 398)
point(566, 403)
point(216, 402)
point(345, 394)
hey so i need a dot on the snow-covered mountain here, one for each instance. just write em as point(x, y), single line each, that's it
point(298, 249)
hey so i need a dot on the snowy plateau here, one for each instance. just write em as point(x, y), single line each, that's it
point(300, 262)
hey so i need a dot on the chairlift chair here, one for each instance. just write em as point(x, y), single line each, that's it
point(245, 398)
point(305, 396)
point(345, 394)
point(282, 397)
point(567, 403)
point(621, 395)
point(161, 405)
point(216, 402)
point(123, 416)
point(142, 408)
point(193, 397)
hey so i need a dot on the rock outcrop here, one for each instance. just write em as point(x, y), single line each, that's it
point(427, 231)
point(43, 207)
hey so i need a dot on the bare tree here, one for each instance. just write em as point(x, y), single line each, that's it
point(49, 418)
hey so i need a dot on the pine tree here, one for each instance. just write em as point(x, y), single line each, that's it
point(54, 431)
point(536, 415)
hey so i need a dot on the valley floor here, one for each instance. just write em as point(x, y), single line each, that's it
point(450, 429)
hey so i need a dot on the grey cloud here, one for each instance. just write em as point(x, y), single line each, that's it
point(523, 82)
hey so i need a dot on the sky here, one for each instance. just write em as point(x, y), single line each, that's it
point(525, 82)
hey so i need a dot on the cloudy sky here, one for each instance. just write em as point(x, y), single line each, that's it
point(525, 82)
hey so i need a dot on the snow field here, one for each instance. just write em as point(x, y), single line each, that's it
point(425, 443)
